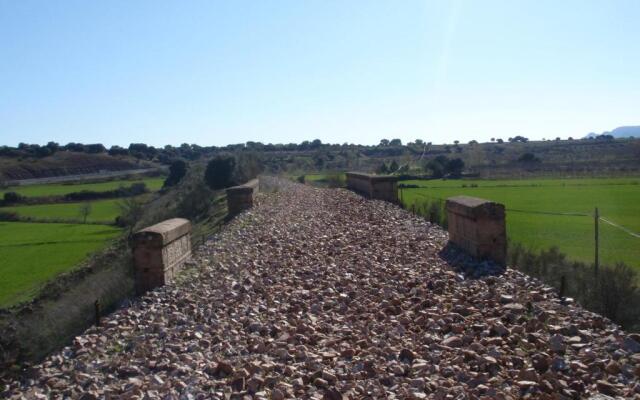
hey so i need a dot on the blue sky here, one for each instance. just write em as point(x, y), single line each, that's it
point(214, 72)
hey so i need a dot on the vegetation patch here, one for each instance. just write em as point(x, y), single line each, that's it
point(542, 213)
point(153, 184)
point(102, 211)
point(329, 179)
point(32, 253)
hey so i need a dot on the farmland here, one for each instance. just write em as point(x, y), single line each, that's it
point(32, 253)
point(153, 184)
point(528, 203)
point(327, 179)
point(50, 238)
point(102, 211)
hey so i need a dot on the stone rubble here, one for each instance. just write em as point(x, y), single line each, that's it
point(321, 294)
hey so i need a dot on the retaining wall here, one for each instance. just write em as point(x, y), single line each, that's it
point(379, 187)
point(159, 252)
point(478, 227)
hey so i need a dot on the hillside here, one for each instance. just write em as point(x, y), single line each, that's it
point(323, 294)
point(585, 157)
point(65, 163)
point(620, 132)
point(559, 158)
point(498, 160)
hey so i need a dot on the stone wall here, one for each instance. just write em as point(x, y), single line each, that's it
point(159, 252)
point(379, 187)
point(478, 226)
point(240, 198)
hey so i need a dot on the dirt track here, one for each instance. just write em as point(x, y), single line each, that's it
point(322, 294)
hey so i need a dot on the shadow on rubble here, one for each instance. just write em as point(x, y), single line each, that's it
point(471, 268)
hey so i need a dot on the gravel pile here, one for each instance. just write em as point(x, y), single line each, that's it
point(321, 294)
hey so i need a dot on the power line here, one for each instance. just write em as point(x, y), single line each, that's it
point(566, 214)
point(634, 234)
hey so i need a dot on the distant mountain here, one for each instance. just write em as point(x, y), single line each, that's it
point(621, 132)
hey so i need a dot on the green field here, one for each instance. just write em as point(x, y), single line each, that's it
point(102, 211)
point(323, 180)
point(59, 189)
point(32, 253)
point(618, 200)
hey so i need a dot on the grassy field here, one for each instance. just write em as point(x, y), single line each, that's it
point(32, 253)
point(153, 184)
point(323, 180)
point(618, 200)
point(102, 211)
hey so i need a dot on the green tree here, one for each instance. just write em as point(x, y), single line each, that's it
point(528, 158)
point(437, 166)
point(393, 167)
point(454, 167)
point(177, 171)
point(84, 210)
point(219, 172)
point(131, 211)
point(383, 169)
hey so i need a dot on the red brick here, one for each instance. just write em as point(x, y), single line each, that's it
point(478, 226)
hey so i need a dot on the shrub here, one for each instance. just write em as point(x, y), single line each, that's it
point(195, 202)
point(248, 166)
point(528, 158)
point(613, 292)
point(13, 197)
point(441, 166)
point(382, 168)
point(8, 216)
point(454, 167)
point(131, 211)
point(135, 189)
point(177, 171)
point(618, 293)
point(219, 172)
point(435, 213)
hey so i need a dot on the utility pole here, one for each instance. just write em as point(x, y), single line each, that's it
point(596, 219)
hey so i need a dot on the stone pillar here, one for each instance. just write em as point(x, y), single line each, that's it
point(478, 226)
point(159, 252)
point(379, 187)
point(240, 198)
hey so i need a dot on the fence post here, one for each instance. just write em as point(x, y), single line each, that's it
point(597, 260)
point(96, 306)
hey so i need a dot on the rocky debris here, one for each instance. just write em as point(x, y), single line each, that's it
point(322, 294)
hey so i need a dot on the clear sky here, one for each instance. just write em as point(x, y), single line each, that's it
point(219, 72)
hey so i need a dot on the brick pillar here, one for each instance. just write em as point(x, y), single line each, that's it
point(379, 187)
point(159, 252)
point(478, 226)
point(240, 198)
